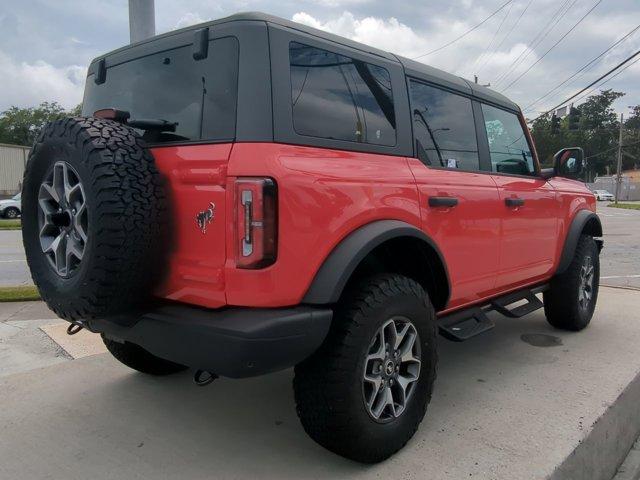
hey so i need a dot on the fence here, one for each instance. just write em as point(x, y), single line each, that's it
point(629, 189)
point(12, 161)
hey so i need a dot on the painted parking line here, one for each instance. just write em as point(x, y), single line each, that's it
point(12, 261)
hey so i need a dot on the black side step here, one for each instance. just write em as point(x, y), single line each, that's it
point(461, 326)
point(501, 304)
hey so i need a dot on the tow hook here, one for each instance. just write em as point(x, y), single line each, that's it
point(202, 378)
point(74, 328)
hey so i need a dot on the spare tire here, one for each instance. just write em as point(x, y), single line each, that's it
point(92, 223)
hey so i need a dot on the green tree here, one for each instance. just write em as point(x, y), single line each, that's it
point(631, 158)
point(20, 126)
point(597, 134)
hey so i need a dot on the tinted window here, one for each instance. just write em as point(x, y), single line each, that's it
point(338, 97)
point(443, 128)
point(199, 95)
point(508, 146)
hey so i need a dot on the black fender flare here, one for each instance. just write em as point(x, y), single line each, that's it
point(583, 219)
point(337, 268)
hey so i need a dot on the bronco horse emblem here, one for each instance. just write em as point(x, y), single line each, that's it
point(204, 217)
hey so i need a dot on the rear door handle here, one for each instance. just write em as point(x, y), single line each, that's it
point(443, 201)
point(514, 202)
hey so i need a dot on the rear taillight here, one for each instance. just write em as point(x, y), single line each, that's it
point(256, 222)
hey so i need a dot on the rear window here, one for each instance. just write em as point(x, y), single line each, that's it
point(340, 98)
point(200, 96)
point(443, 127)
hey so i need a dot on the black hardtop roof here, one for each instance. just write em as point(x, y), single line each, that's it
point(412, 68)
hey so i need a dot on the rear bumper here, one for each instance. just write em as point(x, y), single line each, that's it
point(235, 342)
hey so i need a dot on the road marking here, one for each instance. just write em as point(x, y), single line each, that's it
point(12, 261)
point(621, 276)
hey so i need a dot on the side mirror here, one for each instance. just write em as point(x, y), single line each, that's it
point(569, 163)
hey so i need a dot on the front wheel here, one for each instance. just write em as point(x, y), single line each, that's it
point(365, 391)
point(571, 299)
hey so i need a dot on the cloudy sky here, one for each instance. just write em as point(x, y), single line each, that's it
point(45, 45)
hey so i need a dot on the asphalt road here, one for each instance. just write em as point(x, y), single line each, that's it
point(620, 259)
point(13, 266)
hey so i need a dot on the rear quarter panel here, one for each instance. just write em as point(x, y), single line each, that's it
point(323, 195)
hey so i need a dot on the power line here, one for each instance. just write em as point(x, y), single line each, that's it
point(612, 148)
point(495, 35)
point(540, 36)
point(625, 61)
point(489, 57)
point(465, 33)
point(553, 46)
point(585, 66)
point(607, 80)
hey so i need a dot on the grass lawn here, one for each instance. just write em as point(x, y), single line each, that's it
point(630, 206)
point(10, 224)
point(19, 294)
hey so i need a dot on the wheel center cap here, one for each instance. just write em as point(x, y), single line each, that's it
point(389, 367)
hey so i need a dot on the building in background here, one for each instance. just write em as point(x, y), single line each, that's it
point(13, 159)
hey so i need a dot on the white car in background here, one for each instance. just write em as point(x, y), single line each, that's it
point(603, 195)
point(11, 207)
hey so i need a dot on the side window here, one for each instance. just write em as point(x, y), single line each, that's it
point(443, 128)
point(508, 146)
point(341, 98)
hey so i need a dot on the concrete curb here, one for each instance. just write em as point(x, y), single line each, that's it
point(630, 468)
point(606, 445)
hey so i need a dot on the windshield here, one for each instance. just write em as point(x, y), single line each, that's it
point(200, 96)
point(17, 197)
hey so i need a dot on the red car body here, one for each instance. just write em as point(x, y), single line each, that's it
point(287, 183)
point(326, 194)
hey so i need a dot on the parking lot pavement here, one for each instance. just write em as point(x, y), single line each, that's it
point(521, 401)
point(13, 265)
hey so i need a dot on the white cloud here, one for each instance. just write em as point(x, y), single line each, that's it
point(339, 3)
point(390, 34)
point(396, 37)
point(189, 19)
point(27, 84)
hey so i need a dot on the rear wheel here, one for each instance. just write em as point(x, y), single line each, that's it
point(136, 357)
point(364, 393)
point(571, 299)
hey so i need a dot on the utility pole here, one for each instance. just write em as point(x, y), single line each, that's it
point(619, 169)
point(142, 20)
point(475, 79)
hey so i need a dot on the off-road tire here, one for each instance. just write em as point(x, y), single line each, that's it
point(561, 301)
point(328, 385)
point(126, 217)
point(136, 357)
point(11, 212)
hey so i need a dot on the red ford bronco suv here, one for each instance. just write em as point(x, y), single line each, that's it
point(250, 194)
